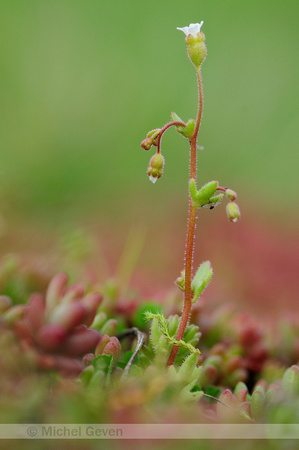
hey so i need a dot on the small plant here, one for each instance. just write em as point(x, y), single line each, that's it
point(209, 195)
point(83, 353)
point(55, 329)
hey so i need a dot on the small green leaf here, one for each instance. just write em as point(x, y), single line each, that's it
point(160, 326)
point(189, 130)
point(201, 280)
point(155, 331)
point(187, 371)
point(206, 192)
point(216, 198)
point(173, 323)
point(257, 404)
point(87, 375)
point(193, 192)
point(290, 382)
point(176, 118)
point(103, 363)
point(240, 385)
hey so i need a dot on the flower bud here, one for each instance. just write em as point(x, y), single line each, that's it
point(180, 281)
point(195, 40)
point(154, 134)
point(233, 211)
point(196, 48)
point(232, 195)
point(151, 139)
point(155, 168)
point(147, 143)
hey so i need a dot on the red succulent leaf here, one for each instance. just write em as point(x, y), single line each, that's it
point(80, 342)
point(35, 312)
point(75, 292)
point(56, 290)
point(51, 336)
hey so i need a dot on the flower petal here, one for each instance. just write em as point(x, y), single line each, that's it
point(184, 29)
point(193, 28)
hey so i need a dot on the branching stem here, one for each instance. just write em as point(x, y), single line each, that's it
point(162, 131)
point(190, 230)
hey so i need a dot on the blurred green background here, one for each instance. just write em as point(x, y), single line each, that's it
point(83, 81)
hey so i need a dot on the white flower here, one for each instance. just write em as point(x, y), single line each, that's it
point(193, 28)
point(153, 179)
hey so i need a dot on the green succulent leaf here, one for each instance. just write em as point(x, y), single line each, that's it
point(201, 280)
point(206, 192)
point(103, 363)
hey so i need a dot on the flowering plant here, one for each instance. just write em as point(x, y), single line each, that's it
point(209, 195)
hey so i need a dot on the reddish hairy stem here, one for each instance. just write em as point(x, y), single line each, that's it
point(190, 232)
point(162, 131)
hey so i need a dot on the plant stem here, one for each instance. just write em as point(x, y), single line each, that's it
point(162, 131)
point(190, 231)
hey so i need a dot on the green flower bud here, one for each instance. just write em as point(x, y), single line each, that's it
point(196, 48)
point(155, 168)
point(233, 211)
point(154, 133)
point(180, 281)
point(151, 139)
point(232, 195)
point(154, 136)
point(147, 143)
point(195, 40)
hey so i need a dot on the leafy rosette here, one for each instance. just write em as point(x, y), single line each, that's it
point(55, 328)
